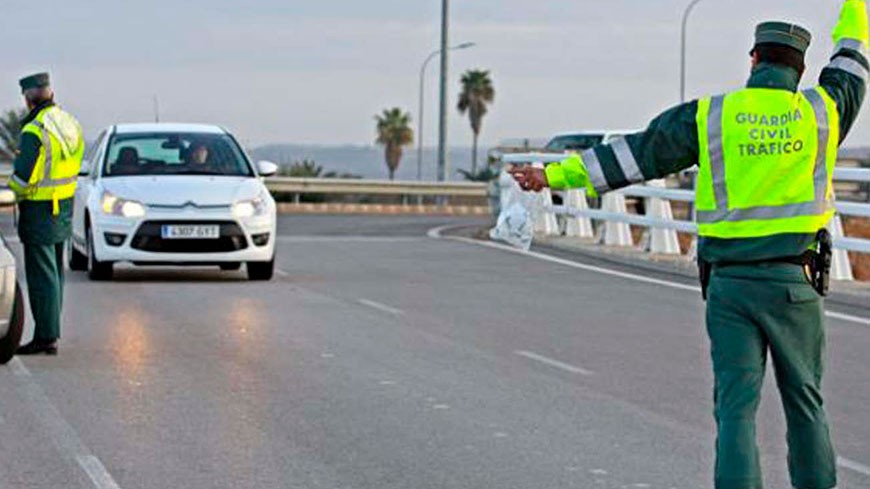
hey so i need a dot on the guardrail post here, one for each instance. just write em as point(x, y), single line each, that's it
point(662, 241)
point(616, 233)
point(841, 268)
point(578, 227)
point(545, 221)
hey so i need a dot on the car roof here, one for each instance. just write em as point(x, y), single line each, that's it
point(158, 127)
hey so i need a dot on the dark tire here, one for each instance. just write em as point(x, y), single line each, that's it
point(78, 262)
point(97, 270)
point(261, 270)
point(230, 267)
point(9, 343)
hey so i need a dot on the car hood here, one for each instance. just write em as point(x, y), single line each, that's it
point(184, 190)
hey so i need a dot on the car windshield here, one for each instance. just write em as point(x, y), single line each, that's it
point(141, 154)
point(574, 142)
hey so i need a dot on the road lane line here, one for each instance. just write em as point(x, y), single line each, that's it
point(59, 430)
point(554, 363)
point(381, 307)
point(436, 234)
point(848, 317)
point(281, 273)
point(853, 466)
point(97, 472)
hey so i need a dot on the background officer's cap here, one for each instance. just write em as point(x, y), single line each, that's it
point(791, 35)
point(38, 80)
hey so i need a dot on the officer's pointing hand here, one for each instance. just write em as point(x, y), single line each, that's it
point(529, 177)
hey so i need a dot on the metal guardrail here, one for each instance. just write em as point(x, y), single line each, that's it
point(374, 187)
point(659, 217)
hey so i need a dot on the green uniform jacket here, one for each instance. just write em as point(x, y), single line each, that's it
point(36, 224)
point(670, 144)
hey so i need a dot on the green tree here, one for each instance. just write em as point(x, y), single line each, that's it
point(477, 93)
point(10, 133)
point(394, 133)
point(303, 169)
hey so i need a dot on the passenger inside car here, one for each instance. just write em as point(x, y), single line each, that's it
point(127, 162)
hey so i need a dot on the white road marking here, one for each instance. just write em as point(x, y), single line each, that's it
point(436, 234)
point(281, 273)
point(381, 307)
point(18, 367)
point(554, 363)
point(348, 239)
point(853, 466)
point(61, 432)
point(848, 317)
point(97, 472)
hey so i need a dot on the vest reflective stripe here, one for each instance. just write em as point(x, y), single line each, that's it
point(626, 160)
point(596, 173)
point(852, 44)
point(850, 66)
point(820, 175)
point(717, 215)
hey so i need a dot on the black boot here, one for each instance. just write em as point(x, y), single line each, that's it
point(38, 347)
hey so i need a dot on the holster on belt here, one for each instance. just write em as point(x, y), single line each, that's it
point(819, 263)
point(705, 271)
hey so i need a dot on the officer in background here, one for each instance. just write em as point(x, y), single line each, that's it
point(44, 179)
point(764, 196)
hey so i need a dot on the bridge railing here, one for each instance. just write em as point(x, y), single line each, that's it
point(659, 218)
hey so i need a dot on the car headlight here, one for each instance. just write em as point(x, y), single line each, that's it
point(116, 206)
point(250, 208)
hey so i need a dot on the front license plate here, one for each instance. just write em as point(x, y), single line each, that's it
point(191, 232)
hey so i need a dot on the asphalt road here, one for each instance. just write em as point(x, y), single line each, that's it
point(382, 358)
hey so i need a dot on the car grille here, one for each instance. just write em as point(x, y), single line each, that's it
point(149, 238)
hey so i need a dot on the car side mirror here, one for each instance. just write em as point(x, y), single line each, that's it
point(7, 197)
point(267, 168)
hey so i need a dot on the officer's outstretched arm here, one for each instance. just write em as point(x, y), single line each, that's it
point(668, 145)
point(845, 78)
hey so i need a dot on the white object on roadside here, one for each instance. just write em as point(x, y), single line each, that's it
point(515, 225)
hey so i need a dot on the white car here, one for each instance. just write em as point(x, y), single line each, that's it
point(172, 194)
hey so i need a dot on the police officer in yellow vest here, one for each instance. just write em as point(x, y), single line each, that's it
point(766, 158)
point(44, 179)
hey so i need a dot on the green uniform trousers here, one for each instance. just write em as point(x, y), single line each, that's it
point(752, 311)
point(43, 266)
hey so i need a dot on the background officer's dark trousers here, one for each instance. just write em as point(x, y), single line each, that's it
point(753, 310)
point(44, 270)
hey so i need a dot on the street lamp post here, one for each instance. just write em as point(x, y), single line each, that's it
point(683, 49)
point(442, 126)
point(420, 112)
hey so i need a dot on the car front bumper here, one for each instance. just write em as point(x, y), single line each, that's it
point(133, 250)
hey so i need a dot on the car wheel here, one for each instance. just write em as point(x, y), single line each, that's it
point(9, 343)
point(78, 262)
point(97, 270)
point(261, 270)
point(230, 267)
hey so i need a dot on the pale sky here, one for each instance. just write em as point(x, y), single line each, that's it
point(317, 71)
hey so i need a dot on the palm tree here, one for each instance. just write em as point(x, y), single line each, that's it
point(394, 133)
point(477, 93)
point(10, 132)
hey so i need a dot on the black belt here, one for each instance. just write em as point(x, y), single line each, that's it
point(800, 260)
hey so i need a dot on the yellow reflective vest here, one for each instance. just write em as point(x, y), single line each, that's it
point(767, 162)
point(60, 158)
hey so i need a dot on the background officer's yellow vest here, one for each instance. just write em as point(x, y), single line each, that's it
point(60, 158)
point(767, 162)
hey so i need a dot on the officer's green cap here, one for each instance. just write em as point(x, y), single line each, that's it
point(791, 35)
point(38, 80)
